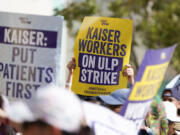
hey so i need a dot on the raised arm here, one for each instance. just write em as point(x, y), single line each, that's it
point(129, 73)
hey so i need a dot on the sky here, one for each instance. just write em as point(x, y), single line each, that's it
point(38, 7)
point(58, 3)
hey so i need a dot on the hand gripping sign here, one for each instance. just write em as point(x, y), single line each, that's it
point(30, 53)
point(147, 84)
point(101, 50)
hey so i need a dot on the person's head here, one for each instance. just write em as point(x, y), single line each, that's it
point(166, 95)
point(171, 113)
point(53, 111)
point(171, 130)
point(39, 127)
point(116, 100)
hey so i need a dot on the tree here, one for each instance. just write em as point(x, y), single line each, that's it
point(156, 21)
point(77, 11)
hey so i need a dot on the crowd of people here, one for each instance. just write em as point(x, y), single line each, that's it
point(58, 111)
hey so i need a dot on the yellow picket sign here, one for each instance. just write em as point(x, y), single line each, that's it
point(102, 49)
point(151, 81)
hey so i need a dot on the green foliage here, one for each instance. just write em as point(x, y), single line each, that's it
point(77, 11)
point(163, 28)
point(123, 8)
point(159, 24)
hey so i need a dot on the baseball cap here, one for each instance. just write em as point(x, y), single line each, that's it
point(171, 111)
point(118, 97)
point(20, 112)
point(58, 107)
point(53, 105)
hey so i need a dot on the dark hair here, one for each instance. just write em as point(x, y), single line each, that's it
point(83, 131)
point(143, 132)
point(87, 98)
point(170, 122)
point(178, 111)
point(1, 102)
point(7, 130)
point(40, 123)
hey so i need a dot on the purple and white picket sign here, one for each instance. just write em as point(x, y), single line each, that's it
point(174, 85)
point(104, 121)
point(30, 52)
point(147, 83)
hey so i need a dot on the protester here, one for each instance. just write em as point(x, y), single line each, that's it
point(103, 121)
point(127, 72)
point(17, 113)
point(172, 117)
point(156, 119)
point(167, 95)
point(53, 111)
point(170, 92)
point(174, 89)
point(5, 128)
point(115, 100)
